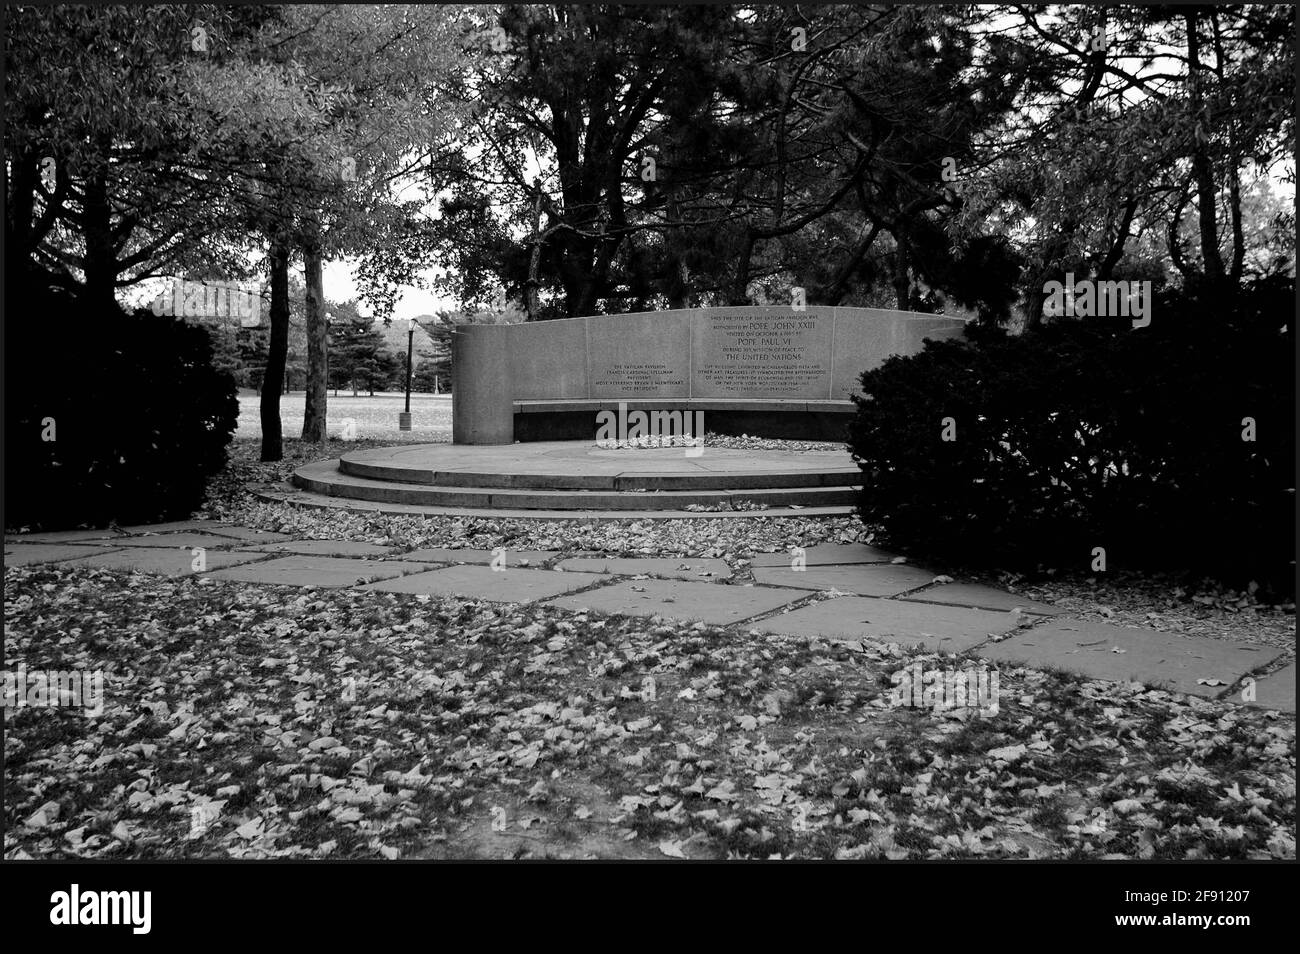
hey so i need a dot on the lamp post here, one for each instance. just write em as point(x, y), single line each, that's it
point(404, 419)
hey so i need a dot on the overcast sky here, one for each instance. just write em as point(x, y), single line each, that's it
point(339, 287)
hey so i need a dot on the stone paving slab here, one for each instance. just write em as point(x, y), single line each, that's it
point(981, 597)
point(479, 582)
point(171, 526)
point(341, 548)
point(1275, 691)
point(951, 617)
point(316, 571)
point(836, 553)
point(854, 618)
point(206, 526)
point(175, 526)
point(246, 534)
point(877, 579)
point(169, 561)
point(1148, 656)
point(205, 540)
point(708, 602)
point(59, 536)
point(514, 558)
point(24, 554)
point(679, 568)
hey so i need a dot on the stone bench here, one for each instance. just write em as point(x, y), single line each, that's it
point(596, 405)
point(575, 418)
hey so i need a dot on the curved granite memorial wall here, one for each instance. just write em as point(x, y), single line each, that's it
point(761, 370)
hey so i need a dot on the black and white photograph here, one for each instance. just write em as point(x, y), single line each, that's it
point(651, 433)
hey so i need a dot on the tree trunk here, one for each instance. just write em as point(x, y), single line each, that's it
point(314, 414)
point(20, 192)
point(1173, 233)
point(1116, 250)
point(534, 257)
point(530, 286)
point(679, 280)
point(1035, 298)
point(678, 296)
point(1233, 171)
point(902, 281)
point(1234, 208)
point(277, 352)
point(581, 302)
point(586, 300)
point(100, 265)
point(738, 294)
point(1202, 169)
point(834, 293)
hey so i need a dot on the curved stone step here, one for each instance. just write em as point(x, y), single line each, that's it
point(303, 498)
point(586, 466)
point(326, 478)
point(627, 481)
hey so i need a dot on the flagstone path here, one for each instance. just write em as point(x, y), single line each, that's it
point(842, 593)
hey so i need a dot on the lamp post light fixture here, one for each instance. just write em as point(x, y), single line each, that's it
point(404, 418)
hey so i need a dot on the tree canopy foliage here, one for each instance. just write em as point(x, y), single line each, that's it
point(597, 158)
point(621, 158)
point(594, 158)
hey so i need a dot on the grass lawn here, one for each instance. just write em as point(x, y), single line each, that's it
point(376, 416)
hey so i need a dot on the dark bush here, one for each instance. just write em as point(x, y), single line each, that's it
point(1089, 433)
point(140, 418)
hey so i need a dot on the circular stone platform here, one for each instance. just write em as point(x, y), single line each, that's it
point(567, 476)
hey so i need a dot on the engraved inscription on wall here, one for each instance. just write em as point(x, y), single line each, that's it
point(769, 356)
point(639, 378)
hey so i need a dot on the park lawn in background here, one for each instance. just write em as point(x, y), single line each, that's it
point(376, 416)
